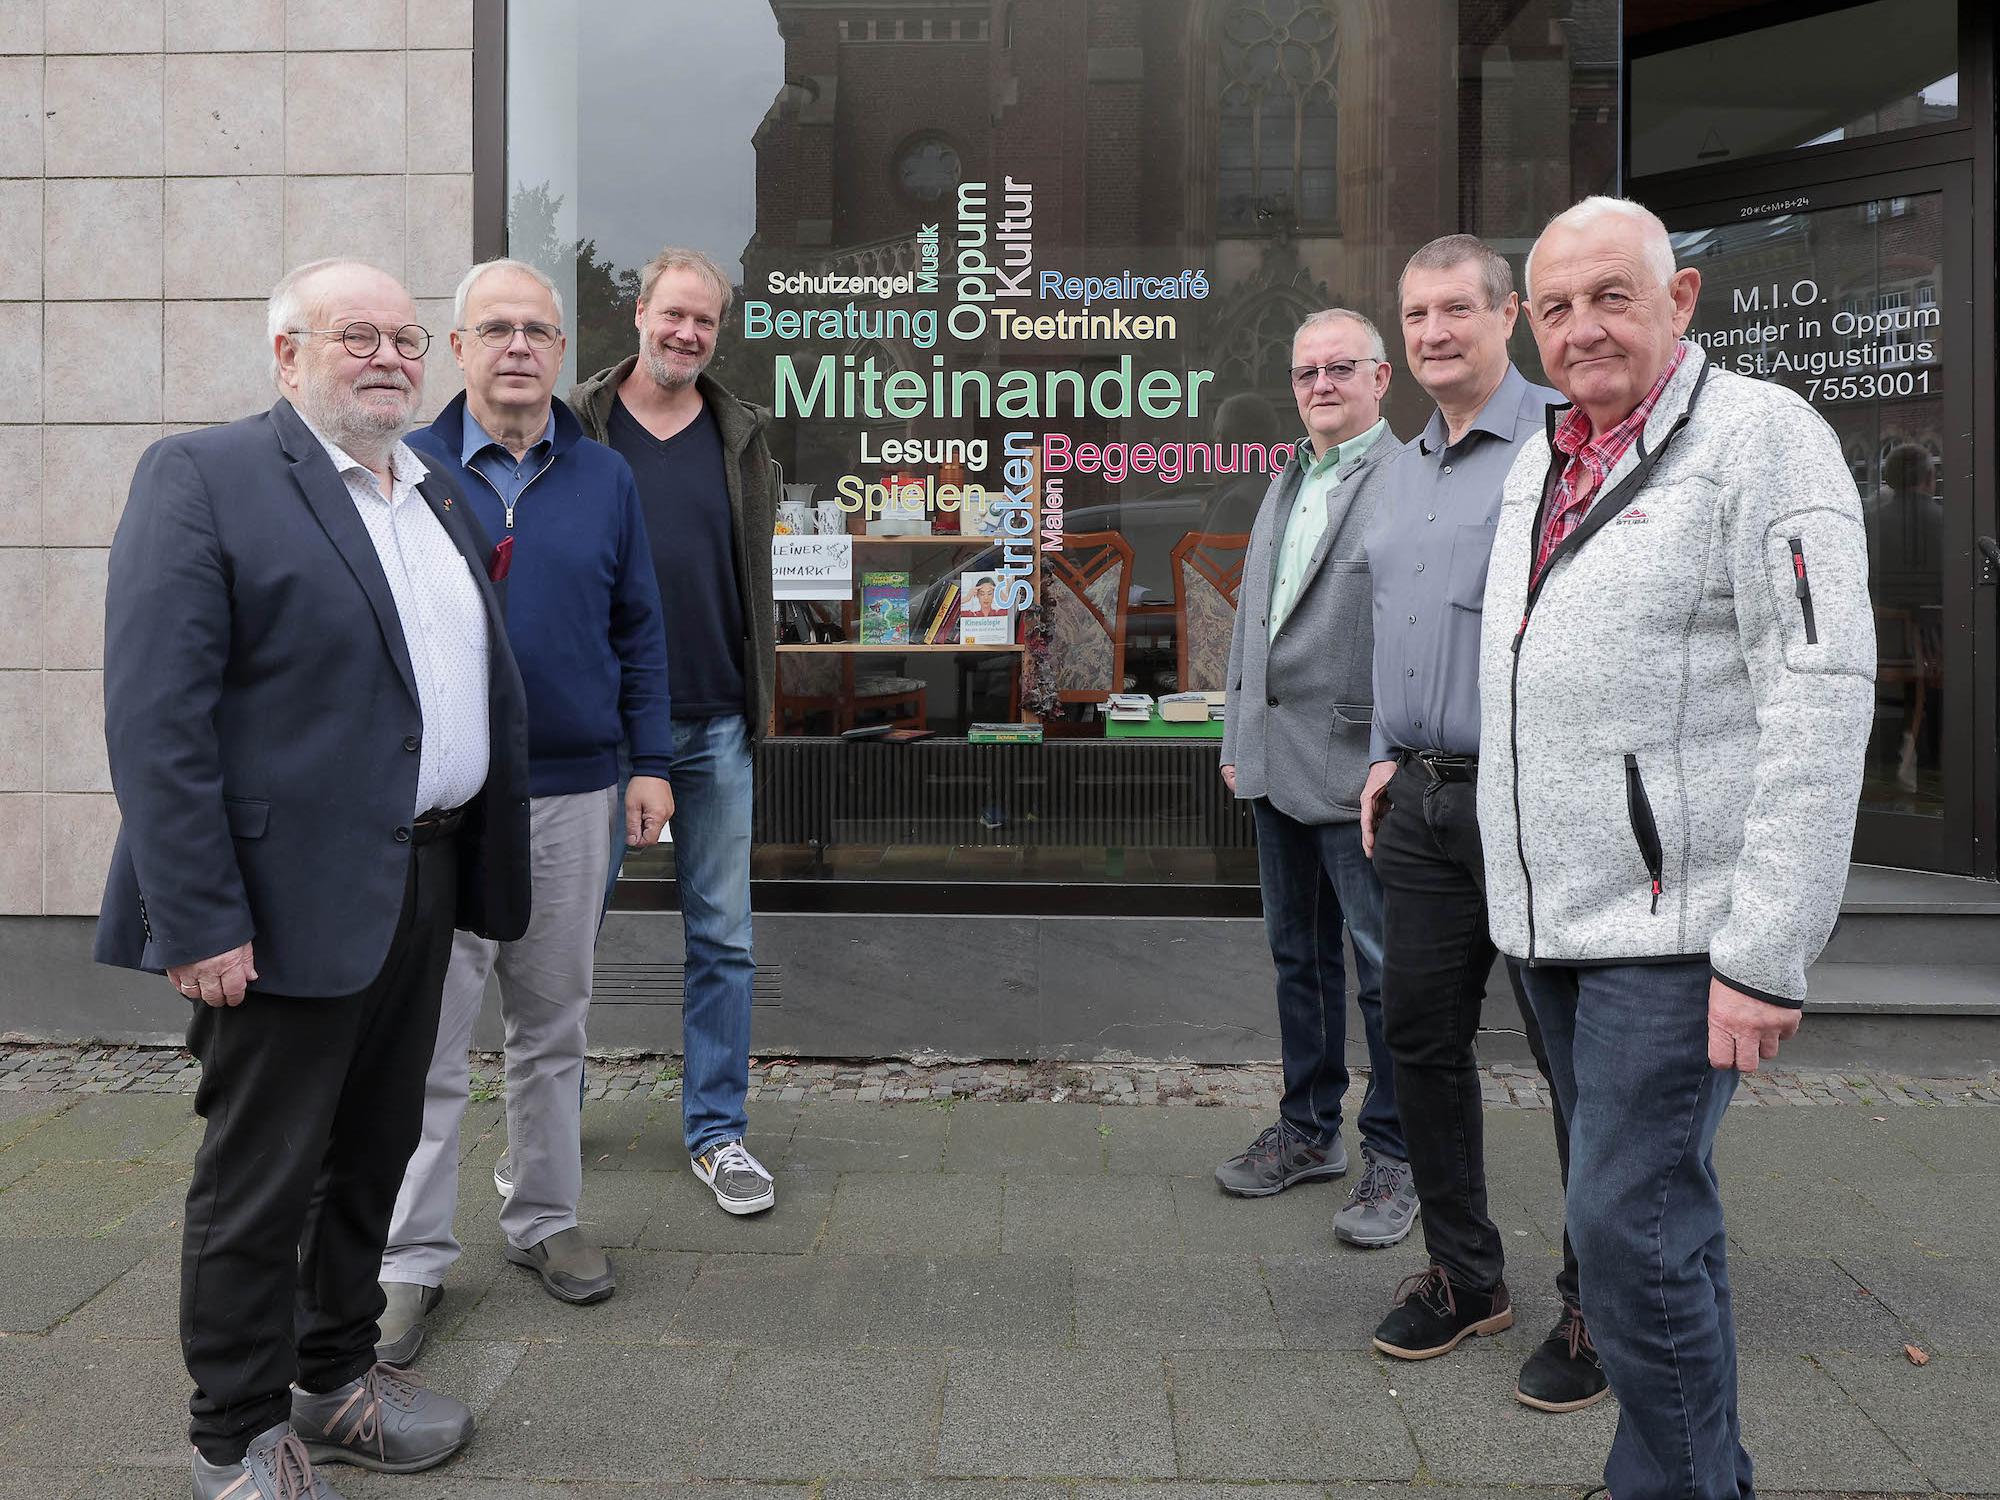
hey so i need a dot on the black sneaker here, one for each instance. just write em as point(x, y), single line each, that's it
point(1277, 1159)
point(1563, 1374)
point(1433, 1317)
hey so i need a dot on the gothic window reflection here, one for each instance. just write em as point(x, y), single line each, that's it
point(1279, 126)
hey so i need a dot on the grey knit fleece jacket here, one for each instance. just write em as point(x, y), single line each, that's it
point(1673, 723)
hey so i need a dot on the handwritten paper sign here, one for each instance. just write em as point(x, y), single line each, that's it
point(812, 567)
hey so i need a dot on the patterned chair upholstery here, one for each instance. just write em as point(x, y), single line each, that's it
point(1208, 572)
point(1090, 583)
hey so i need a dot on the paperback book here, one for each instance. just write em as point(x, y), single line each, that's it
point(885, 609)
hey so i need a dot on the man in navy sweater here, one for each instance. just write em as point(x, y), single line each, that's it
point(583, 615)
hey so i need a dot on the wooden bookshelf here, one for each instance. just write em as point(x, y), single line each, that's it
point(854, 648)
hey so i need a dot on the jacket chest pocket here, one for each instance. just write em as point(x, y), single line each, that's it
point(1471, 552)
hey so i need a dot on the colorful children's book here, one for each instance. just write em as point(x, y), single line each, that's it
point(885, 609)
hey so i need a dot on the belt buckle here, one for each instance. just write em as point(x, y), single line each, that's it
point(1426, 759)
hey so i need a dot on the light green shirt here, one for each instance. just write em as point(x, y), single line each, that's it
point(1307, 523)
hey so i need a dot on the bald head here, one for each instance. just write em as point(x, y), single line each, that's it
point(1607, 306)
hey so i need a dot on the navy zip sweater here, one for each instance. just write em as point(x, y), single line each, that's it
point(583, 606)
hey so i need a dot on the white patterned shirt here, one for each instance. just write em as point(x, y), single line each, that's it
point(443, 618)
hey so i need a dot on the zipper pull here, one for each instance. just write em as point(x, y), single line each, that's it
point(1518, 634)
point(1656, 895)
point(510, 518)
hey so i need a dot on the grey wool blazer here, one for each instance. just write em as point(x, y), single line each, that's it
point(1300, 705)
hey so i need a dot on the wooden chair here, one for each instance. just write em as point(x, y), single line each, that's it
point(1208, 572)
point(828, 683)
point(1090, 581)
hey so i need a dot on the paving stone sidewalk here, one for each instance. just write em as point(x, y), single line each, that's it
point(1038, 1300)
point(160, 1070)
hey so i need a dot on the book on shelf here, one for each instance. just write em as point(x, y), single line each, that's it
point(1190, 708)
point(1129, 708)
point(1004, 734)
point(982, 621)
point(885, 609)
point(943, 615)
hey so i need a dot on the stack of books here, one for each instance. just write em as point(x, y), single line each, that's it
point(1191, 708)
point(1004, 734)
point(942, 628)
point(1129, 708)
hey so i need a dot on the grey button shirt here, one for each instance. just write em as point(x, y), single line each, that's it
point(1428, 547)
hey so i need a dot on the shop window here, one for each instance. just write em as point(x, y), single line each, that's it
point(1182, 156)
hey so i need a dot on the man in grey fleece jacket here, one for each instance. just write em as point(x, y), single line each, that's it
point(1676, 685)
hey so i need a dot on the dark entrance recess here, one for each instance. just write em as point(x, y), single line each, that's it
point(1829, 170)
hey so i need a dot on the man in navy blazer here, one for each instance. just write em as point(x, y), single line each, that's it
point(317, 736)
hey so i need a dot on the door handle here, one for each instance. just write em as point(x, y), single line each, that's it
point(1989, 561)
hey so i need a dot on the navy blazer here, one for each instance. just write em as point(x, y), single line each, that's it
point(262, 719)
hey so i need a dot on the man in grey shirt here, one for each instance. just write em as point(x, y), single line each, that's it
point(1428, 548)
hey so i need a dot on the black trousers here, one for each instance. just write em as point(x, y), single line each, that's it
point(313, 1108)
point(1436, 955)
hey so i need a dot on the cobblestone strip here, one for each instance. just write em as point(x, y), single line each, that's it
point(161, 1070)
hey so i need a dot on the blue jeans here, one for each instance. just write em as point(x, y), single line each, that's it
point(1315, 881)
point(1628, 1054)
point(712, 780)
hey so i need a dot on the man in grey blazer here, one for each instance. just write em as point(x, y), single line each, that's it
point(1296, 748)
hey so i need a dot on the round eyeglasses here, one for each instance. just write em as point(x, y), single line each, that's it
point(362, 339)
point(498, 335)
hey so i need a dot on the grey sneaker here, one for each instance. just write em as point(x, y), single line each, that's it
point(384, 1421)
point(399, 1332)
point(1276, 1160)
point(1382, 1206)
point(503, 1176)
point(571, 1266)
point(275, 1468)
point(739, 1180)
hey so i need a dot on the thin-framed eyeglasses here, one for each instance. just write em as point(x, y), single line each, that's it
point(495, 334)
point(1339, 371)
point(362, 339)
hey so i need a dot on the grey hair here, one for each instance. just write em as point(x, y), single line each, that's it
point(680, 258)
point(289, 309)
point(502, 263)
point(1452, 250)
point(1376, 348)
point(1655, 245)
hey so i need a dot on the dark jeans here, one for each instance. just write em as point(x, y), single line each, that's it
point(1315, 880)
point(1436, 956)
point(1629, 1048)
point(313, 1108)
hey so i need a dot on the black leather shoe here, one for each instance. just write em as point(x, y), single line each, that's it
point(1433, 1317)
point(1276, 1160)
point(1563, 1374)
point(384, 1421)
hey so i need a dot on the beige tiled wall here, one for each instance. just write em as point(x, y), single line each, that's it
point(161, 163)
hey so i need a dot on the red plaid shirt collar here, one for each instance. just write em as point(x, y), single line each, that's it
point(1591, 462)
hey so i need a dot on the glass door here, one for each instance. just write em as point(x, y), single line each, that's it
point(1858, 295)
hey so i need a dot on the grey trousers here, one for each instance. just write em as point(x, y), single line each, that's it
point(544, 997)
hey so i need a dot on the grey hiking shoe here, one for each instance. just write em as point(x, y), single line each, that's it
point(571, 1266)
point(1276, 1160)
point(384, 1421)
point(275, 1468)
point(738, 1179)
point(1382, 1206)
point(399, 1332)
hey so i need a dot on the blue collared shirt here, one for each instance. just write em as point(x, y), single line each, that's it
point(1307, 523)
point(1428, 547)
point(489, 458)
